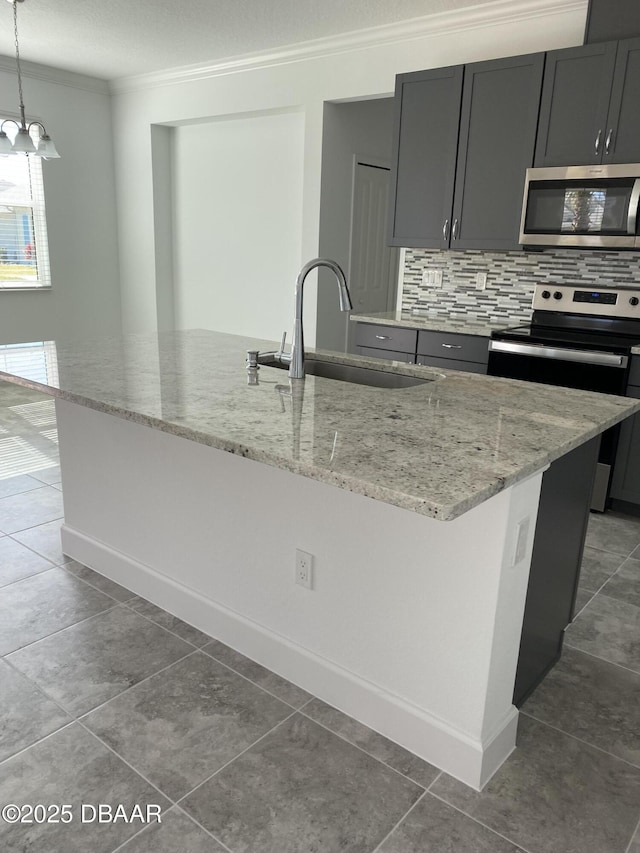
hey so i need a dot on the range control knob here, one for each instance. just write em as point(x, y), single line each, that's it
point(557, 294)
point(545, 294)
point(634, 300)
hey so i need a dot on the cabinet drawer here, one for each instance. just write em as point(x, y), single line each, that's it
point(452, 364)
point(386, 337)
point(454, 346)
point(634, 375)
point(389, 354)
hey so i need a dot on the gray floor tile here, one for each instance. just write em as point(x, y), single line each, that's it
point(86, 664)
point(169, 621)
point(51, 475)
point(634, 847)
point(17, 485)
point(554, 794)
point(98, 581)
point(625, 584)
point(597, 568)
point(37, 606)
point(608, 629)
point(280, 687)
point(19, 512)
point(176, 833)
point(179, 727)
point(583, 597)
point(613, 532)
point(45, 540)
point(18, 562)
point(302, 789)
point(594, 700)
point(72, 767)
point(25, 714)
point(376, 745)
point(435, 827)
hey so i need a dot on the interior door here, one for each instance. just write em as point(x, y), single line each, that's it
point(373, 267)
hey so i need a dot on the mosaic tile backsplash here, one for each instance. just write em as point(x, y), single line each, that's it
point(511, 277)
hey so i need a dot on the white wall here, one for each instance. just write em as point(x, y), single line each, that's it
point(287, 83)
point(81, 213)
point(237, 189)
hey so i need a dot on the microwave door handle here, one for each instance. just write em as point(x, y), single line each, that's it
point(634, 201)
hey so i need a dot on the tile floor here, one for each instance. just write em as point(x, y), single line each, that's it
point(105, 698)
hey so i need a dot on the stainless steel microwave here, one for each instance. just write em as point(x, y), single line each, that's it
point(583, 206)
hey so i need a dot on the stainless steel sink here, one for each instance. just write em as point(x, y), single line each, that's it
point(351, 373)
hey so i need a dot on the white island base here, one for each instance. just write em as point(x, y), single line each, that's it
point(412, 625)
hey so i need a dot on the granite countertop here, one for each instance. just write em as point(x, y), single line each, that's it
point(434, 323)
point(438, 449)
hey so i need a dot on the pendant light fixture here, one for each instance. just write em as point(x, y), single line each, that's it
point(23, 143)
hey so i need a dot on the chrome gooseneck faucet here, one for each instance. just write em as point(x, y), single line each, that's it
point(296, 367)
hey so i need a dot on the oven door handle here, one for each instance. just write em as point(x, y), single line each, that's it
point(607, 359)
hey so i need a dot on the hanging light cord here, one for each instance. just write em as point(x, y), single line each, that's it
point(19, 69)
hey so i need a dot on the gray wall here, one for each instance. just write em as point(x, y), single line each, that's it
point(81, 212)
point(362, 128)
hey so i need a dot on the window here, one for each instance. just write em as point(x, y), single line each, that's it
point(24, 253)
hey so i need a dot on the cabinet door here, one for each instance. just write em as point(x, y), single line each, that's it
point(575, 103)
point(452, 364)
point(625, 484)
point(427, 115)
point(622, 140)
point(500, 104)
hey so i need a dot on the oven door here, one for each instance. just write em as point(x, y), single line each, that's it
point(588, 370)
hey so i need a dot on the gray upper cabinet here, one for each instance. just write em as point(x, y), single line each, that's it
point(427, 114)
point(589, 113)
point(622, 141)
point(500, 104)
point(487, 114)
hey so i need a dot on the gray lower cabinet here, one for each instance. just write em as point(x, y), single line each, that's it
point(446, 350)
point(392, 342)
point(392, 355)
point(625, 484)
point(453, 351)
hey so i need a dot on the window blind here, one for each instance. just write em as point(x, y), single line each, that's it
point(24, 252)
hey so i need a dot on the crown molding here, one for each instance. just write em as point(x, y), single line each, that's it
point(55, 75)
point(429, 26)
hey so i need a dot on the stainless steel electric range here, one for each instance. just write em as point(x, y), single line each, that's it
point(578, 337)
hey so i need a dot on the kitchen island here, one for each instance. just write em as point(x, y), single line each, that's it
point(193, 484)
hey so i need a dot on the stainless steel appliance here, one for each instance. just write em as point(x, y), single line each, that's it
point(579, 337)
point(582, 206)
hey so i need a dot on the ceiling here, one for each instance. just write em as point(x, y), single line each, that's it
point(119, 38)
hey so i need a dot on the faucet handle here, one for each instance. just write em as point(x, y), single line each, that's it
point(252, 359)
point(281, 350)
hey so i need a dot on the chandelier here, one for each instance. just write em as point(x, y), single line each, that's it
point(23, 143)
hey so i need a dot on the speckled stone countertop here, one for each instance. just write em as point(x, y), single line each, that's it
point(433, 323)
point(439, 448)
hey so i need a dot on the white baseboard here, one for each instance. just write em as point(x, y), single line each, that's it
point(470, 761)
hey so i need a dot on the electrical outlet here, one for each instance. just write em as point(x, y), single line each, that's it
point(432, 278)
point(481, 280)
point(304, 569)
point(522, 535)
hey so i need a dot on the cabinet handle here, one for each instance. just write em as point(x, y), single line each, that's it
point(607, 143)
point(454, 230)
point(445, 230)
point(452, 346)
point(598, 138)
point(383, 338)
